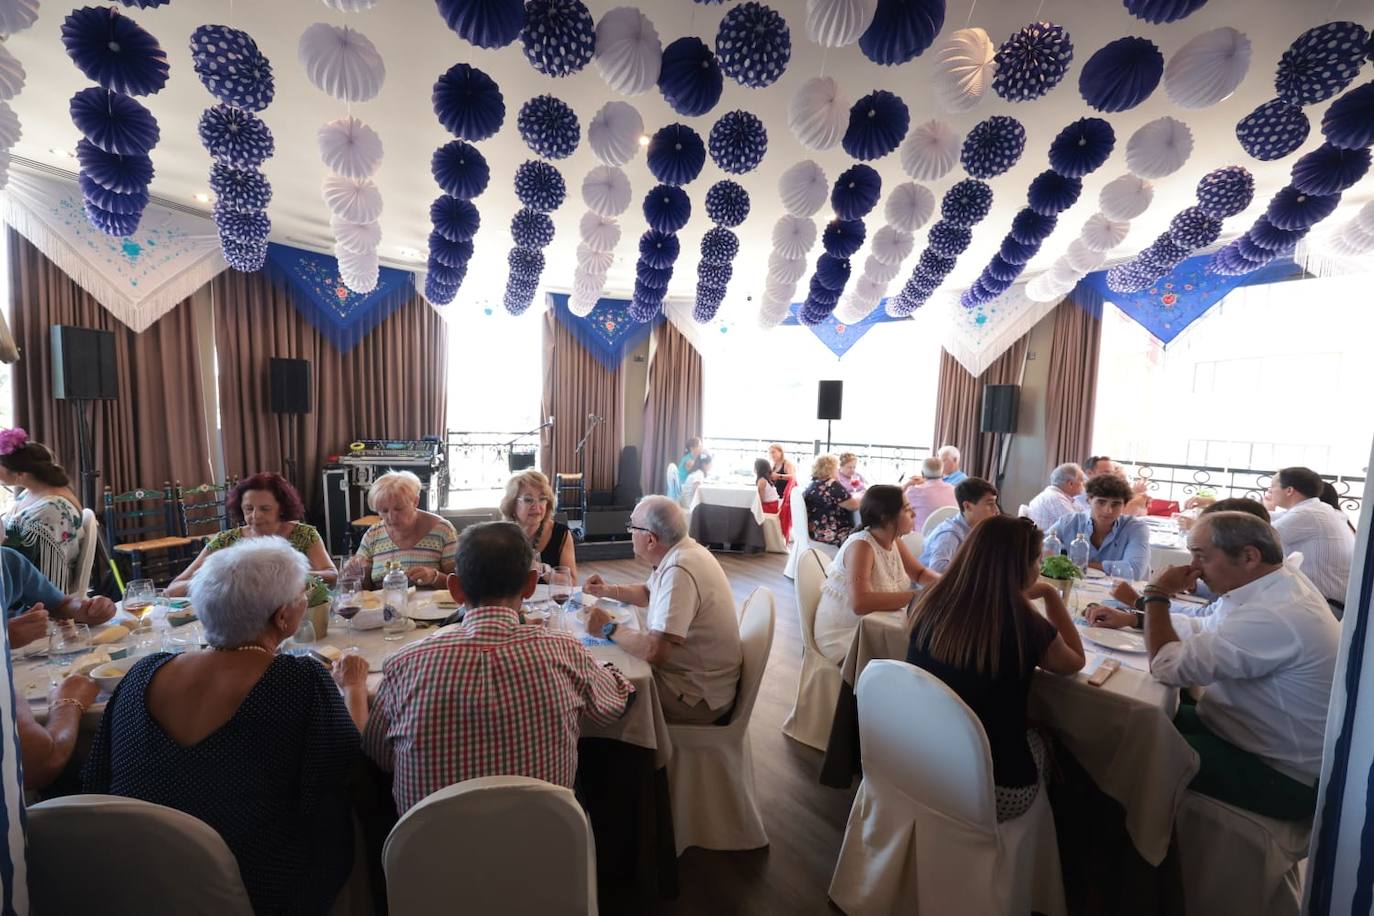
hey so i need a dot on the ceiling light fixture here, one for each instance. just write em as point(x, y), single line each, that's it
point(64, 153)
point(643, 139)
point(202, 197)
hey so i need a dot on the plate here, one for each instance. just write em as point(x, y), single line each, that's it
point(1119, 640)
point(431, 611)
point(1092, 573)
point(110, 674)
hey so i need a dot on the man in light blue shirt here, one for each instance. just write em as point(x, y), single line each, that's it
point(30, 599)
point(1112, 535)
point(977, 501)
point(949, 463)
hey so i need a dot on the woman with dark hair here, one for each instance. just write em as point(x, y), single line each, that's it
point(269, 507)
point(1315, 527)
point(44, 524)
point(768, 494)
point(977, 631)
point(1112, 535)
point(872, 572)
point(1333, 499)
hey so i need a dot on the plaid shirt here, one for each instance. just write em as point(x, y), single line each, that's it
point(487, 697)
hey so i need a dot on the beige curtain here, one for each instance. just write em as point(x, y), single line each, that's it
point(156, 430)
point(1071, 393)
point(959, 407)
point(672, 403)
point(576, 386)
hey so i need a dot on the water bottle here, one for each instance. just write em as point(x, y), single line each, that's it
point(1079, 551)
point(395, 587)
point(1053, 546)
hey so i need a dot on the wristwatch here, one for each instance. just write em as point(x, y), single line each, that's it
point(609, 630)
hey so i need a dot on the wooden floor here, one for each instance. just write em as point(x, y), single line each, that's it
point(805, 820)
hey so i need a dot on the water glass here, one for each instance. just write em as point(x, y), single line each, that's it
point(1117, 569)
point(67, 641)
point(177, 640)
point(140, 597)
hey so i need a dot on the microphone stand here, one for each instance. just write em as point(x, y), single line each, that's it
point(580, 450)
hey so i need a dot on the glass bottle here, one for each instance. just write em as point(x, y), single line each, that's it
point(395, 589)
point(1079, 551)
point(1053, 546)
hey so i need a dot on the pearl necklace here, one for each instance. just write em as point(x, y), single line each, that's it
point(249, 647)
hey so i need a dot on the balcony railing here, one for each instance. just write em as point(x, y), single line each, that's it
point(1182, 481)
point(479, 463)
point(877, 462)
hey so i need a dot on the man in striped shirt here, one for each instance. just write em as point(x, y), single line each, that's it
point(488, 696)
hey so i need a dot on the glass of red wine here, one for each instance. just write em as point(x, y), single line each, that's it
point(348, 601)
point(560, 590)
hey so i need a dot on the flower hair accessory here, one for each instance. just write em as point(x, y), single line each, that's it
point(11, 440)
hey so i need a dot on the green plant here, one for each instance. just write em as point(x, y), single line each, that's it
point(1059, 568)
point(316, 591)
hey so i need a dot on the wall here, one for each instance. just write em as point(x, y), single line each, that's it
point(1028, 464)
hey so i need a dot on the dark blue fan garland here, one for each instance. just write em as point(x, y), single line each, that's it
point(690, 77)
point(753, 45)
point(727, 205)
point(853, 196)
point(549, 127)
point(901, 30)
point(558, 36)
point(484, 23)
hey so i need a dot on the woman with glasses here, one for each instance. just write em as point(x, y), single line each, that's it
point(530, 503)
point(423, 543)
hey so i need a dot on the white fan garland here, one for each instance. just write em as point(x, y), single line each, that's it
point(11, 75)
point(891, 246)
point(1208, 68)
point(628, 51)
point(594, 262)
point(909, 206)
point(599, 233)
point(784, 269)
point(930, 150)
point(1159, 148)
point(614, 133)
point(819, 113)
point(879, 271)
point(341, 62)
point(350, 148)
point(964, 70)
point(793, 236)
point(353, 236)
point(606, 191)
point(803, 188)
point(836, 23)
point(354, 199)
point(1125, 198)
point(1102, 233)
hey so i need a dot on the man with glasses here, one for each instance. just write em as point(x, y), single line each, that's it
point(691, 635)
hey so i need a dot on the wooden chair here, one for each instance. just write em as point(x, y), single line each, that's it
point(202, 511)
point(142, 523)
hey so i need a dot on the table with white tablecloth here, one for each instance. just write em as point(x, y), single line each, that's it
point(724, 512)
point(1168, 545)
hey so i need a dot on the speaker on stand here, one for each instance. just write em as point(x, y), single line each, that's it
point(83, 370)
point(829, 403)
point(289, 395)
point(999, 417)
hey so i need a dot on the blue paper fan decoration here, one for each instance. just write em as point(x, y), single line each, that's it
point(753, 45)
point(1193, 229)
point(966, 203)
point(993, 146)
point(1014, 251)
point(1330, 170)
point(531, 229)
point(1030, 228)
point(446, 276)
point(999, 268)
point(468, 103)
point(115, 123)
point(653, 277)
point(231, 67)
point(820, 296)
point(948, 240)
point(1321, 62)
point(539, 186)
point(1161, 11)
point(116, 224)
point(460, 169)
point(1292, 209)
point(856, 192)
point(815, 310)
point(719, 246)
point(518, 297)
point(1129, 278)
point(877, 124)
point(706, 305)
point(558, 37)
point(525, 263)
point(832, 272)
point(738, 142)
point(1252, 252)
point(689, 77)
point(1082, 147)
point(922, 285)
point(244, 256)
point(1165, 251)
point(114, 51)
point(727, 203)
point(843, 237)
point(235, 137)
point(649, 294)
point(110, 200)
point(643, 312)
point(1349, 122)
point(243, 227)
point(666, 208)
point(454, 219)
point(449, 253)
point(1273, 130)
point(676, 154)
point(935, 265)
point(121, 174)
point(1051, 193)
point(1271, 238)
point(1225, 192)
point(484, 23)
point(438, 293)
point(659, 249)
point(994, 286)
point(1032, 62)
point(902, 30)
point(714, 275)
point(1122, 74)
point(549, 127)
point(239, 190)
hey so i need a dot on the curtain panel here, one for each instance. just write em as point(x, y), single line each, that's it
point(672, 402)
point(1071, 392)
point(959, 407)
point(576, 388)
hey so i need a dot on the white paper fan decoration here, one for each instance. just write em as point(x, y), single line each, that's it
point(4, 169)
point(803, 188)
point(1083, 259)
point(769, 318)
point(1044, 289)
point(614, 133)
point(930, 150)
point(779, 292)
point(599, 233)
point(353, 199)
point(836, 23)
point(350, 6)
point(360, 237)
point(875, 269)
point(1208, 68)
point(870, 288)
point(341, 62)
point(350, 148)
point(1159, 148)
point(909, 206)
point(628, 51)
point(891, 246)
point(17, 15)
point(11, 75)
point(606, 191)
point(1125, 198)
point(10, 131)
point(358, 270)
point(819, 113)
point(588, 287)
point(1101, 233)
point(852, 310)
point(793, 236)
point(1064, 274)
point(594, 262)
point(964, 69)
point(1365, 218)
point(581, 307)
point(786, 270)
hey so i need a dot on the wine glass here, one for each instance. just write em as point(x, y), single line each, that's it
point(140, 597)
point(348, 601)
point(67, 640)
point(560, 589)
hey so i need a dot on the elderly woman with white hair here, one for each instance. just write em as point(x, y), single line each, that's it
point(423, 543)
point(255, 744)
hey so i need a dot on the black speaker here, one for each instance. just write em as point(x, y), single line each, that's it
point(290, 385)
point(83, 364)
point(999, 408)
point(829, 397)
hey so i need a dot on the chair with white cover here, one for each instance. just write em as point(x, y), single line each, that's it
point(179, 863)
point(801, 540)
point(915, 542)
point(818, 686)
point(85, 560)
point(672, 483)
point(773, 541)
point(934, 519)
point(1023, 511)
point(711, 772)
point(923, 835)
point(1236, 862)
point(503, 844)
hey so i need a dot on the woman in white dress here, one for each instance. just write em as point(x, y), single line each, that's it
point(873, 571)
point(44, 524)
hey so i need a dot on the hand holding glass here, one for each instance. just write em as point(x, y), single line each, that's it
point(67, 640)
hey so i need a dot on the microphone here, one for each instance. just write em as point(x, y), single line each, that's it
point(550, 423)
point(594, 418)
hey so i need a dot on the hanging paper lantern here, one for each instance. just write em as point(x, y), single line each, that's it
point(902, 30)
point(17, 15)
point(793, 237)
point(966, 203)
point(1017, 252)
point(1051, 193)
point(549, 127)
point(1003, 270)
point(1330, 170)
point(606, 191)
point(599, 233)
point(448, 253)
point(1031, 228)
point(1324, 60)
point(1193, 229)
point(121, 174)
point(594, 262)
point(836, 23)
point(484, 23)
point(993, 146)
point(738, 142)
point(856, 192)
point(231, 67)
point(525, 263)
point(1207, 69)
point(628, 52)
point(727, 204)
point(114, 202)
point(115, 224)
point(786, 270)
point(115, 123)
point(539, 186)
point(1159, 148)
point(964, 70)
point(468, 103)
point(909, 206)
point(1122, 74)
point(667, 208)
point(676, 154)
point(891, 246)
point(356, 200)
point(1160, 11)
point(1271, 238)
point(350, 148)
point(690, 77)
point(719, 246)
point(1165, 252)
point(1032, 62)
point(878, 271)
point(114, 51)
point(753, 45)
point(832, 273)
point(1101, 233)
point(1225, 192)
point(239, 190)
point(819, 113)
point(877, 124)
point(931, 150)
point(658, 249)
point(1082, 147)
point(803, 188)
point(843, 237)
point(652, 277)
point(1292, 209)
point(1273, 130)
point(713, 276)
point(614, 133)
point(1349, 122)
point(235, 137)
point(460, 169)
point(1125, 198)
point(948, 240)
point(558, 37)
point(341, 62)
point(358, 237)
point(243, 226)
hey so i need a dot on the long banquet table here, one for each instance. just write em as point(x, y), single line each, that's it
point(725, 512)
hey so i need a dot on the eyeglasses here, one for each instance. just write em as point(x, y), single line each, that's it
point(638, 528)
point(531, 500)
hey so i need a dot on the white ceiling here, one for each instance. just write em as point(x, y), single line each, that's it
point(417, 47)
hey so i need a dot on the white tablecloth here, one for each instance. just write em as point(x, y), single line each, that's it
point(1168, 546)
point(735, 495)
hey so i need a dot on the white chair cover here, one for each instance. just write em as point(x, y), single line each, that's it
point(1236, 863)
point(935, 518)
point(801, 539)
point(923, 835)
point(773, 541)
point(493, 845)
point(109, 854)
point(1023, 511)
point(86, 559)
point(711, 772)
point(672, 484)
point(915, 542)
point(818, 687)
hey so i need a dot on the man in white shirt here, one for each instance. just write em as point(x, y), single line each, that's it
point(692, 638)
point(1056, 500)
point(1266, 653)
point(1315, 529)
point(949, 463)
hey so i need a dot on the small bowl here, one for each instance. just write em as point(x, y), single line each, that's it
point(111, 673)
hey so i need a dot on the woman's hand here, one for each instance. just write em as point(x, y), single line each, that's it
point(423, 575)
point(350, 670)
point(76, 687)
point(30, 626)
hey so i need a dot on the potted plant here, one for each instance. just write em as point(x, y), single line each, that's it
point(1060, 572)
point(317, 605)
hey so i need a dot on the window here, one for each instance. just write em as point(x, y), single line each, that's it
point(495, 376)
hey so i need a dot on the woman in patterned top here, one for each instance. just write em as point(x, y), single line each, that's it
point(45, 522)
point(422, 542)
point(269, 507)
point(829, 506)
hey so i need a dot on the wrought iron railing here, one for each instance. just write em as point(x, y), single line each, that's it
point(878, 463)
point(1182, 481)
point(480, 462)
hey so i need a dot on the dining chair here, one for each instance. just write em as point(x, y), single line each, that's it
point(85, 560)
point(915, 542)
point(818, 685)
point(923, 835)
point(672, 483)
point(202, 511)
point(1236, 862)
point(110, 854)
point(801, 539)
point(501, 844)
point(934, 519)
point(711, 772)
point(142, 527)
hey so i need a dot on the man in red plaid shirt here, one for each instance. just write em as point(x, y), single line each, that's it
point(489, 696)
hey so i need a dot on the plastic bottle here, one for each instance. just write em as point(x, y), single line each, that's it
point(395, 588)
point(1079, 551)
point(1053, 547)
